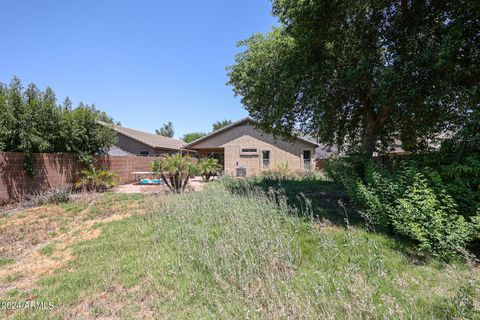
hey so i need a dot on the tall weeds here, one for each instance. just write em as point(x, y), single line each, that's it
point(240, 252)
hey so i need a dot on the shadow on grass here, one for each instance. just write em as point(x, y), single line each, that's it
point(328, 199)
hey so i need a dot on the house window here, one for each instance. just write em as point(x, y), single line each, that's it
point(144, 153)
point(248, 151)
point(266, 159)
point(307, 159)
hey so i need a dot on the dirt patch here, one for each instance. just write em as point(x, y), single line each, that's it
point(327, 226)
point(114, 303)
point(138, 188)
point(197, 183)
point(23, 236)
point(194, 184)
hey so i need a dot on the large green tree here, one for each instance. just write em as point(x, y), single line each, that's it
point(357, 72)
point(32, 121)
point(166, 130)
point(220, 124)
point(192, 136)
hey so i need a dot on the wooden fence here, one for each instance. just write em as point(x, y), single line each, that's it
point(53, 170)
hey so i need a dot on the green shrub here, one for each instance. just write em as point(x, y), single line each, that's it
point(336, 168)
point(207, 167)
point(375, 212)
point(375, 195)
point(411, 202)
point(98, 180)
point(236, 185)
point(463, 183)
point(430, 219)
point(355, 163)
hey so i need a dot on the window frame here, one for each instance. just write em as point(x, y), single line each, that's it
point(310, 160)
point(249, 152)
point(269, 159)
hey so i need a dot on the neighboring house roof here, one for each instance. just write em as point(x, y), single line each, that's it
point(150, 139)
point(116, 151)
point(232, 125)
point(325, 152)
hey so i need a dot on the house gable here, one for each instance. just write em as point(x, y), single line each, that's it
point(227, 135)
point(245, 146)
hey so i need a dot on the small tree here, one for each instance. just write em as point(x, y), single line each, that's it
point(208, 167)
point(166, 130)
point(175, 170)
point(220, 124)
point(189, 137)
point(97, 180)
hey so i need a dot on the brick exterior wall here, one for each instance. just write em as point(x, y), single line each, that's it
point(53, 170)
point(247, 136)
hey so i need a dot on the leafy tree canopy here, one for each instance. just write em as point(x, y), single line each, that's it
point(189, 137)
point(32, 121)
point(357, 72)
point(220, 124)
point(166, 130)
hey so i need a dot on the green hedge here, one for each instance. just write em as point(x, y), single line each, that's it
point(419, 203)
point(31, 121)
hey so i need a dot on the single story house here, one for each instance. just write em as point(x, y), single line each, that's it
point(244, 150)
point(142, 143)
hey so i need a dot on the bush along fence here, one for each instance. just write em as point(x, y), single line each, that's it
point(52, 170)
point(439, 212)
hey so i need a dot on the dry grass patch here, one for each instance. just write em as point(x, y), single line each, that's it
point(113, 303)
point(37, 242)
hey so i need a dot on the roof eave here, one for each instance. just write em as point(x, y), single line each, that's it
point(114, 128)
point(234, 124)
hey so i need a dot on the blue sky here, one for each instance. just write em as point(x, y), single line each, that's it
point(143, 62)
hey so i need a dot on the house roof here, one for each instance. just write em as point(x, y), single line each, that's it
point(325, 152)
point(116, 151)
point(150, 139)
point(232, 125)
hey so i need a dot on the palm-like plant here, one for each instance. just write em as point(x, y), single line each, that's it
point(97, 180)
point(208, 167)
point(175, 170)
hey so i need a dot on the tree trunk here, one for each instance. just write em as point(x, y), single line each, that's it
point(187, 178)
point(369, 139)
point(371, 130)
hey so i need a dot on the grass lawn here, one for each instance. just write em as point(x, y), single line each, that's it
point(214, 254)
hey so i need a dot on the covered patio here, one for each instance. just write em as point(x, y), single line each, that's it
point(215, 153)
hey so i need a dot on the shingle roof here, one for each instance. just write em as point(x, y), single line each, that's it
point(150, 139)
point(234, 124)
point(116, 151)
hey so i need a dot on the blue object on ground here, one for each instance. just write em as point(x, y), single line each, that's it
point(148, 181)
